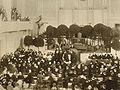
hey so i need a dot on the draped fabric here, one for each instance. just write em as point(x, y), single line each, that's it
point(40, 30)
point(43, 28)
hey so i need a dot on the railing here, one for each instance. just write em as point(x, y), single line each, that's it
point(9, 26)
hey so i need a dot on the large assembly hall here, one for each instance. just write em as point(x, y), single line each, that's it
point(59, 44)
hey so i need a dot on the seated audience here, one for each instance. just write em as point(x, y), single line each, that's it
point(23, 68)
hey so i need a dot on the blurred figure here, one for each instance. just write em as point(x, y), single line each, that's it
point(1, 87)
point(10, 87)
point(16, 87)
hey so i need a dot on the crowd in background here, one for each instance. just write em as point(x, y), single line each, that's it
point(16, 16)
point(58, 70)
point(3, 14)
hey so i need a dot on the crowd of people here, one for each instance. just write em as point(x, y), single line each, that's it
point(16, 16)
point(60, 69)
point(101, 56)
point(3, 14)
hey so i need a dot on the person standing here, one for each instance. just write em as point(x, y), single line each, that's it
point(37, 25)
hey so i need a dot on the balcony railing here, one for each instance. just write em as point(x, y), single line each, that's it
point(7, 26)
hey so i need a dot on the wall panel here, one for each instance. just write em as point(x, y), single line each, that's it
point(83, 17)
point(65, 17)
point(39, 7)
point(30, 8)
point(83, 4)
point(75, 16)
point(97, 4)
point(50, 11)
point(67, 4)
point(98, 16)
point(54, 10)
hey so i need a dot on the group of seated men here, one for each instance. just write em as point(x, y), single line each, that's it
point(101, 56)
point(58, 70)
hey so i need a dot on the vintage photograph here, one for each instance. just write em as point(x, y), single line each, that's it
point(59, 44)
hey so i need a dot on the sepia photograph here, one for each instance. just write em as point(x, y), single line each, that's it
point(59, 44)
